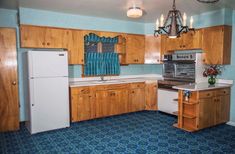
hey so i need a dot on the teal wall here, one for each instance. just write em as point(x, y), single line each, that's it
point(8, 18)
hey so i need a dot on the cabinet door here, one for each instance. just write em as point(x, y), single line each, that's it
point(53, 37)
point(82, 107)
point(32, 37)
point(136, 99)
point(135, 47)
point(75, 44)
point(206, 113)
point(153, 49)
point(173, 44)
point(191, 40)
point(151, 96)
point(222, 109)
point(102, 103)
point(213, 45)
point(216, 43)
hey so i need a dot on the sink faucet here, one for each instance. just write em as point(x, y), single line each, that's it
point(102, 78)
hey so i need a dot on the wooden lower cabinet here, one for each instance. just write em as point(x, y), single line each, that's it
point(151, 96)
point(137, 98)
point(83, 107)
point(102, 101)
point(203, 109)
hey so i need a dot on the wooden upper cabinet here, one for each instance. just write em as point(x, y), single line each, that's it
point(32, 36)
point(74, 43)
point(154, 49)
point(135, 47)
point(216, 43)
point(187, 41)
point(50, 37)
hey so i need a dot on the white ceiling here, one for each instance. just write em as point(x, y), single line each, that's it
point(116, 9)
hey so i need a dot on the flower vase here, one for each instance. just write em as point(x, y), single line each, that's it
point(212, 80)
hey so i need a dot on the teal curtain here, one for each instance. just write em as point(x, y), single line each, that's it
point(95, 38)
point(101, 64)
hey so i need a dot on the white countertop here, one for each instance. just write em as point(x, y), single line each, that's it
point(79, 82)
point(201, 86)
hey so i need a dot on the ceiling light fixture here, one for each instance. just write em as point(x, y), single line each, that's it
point(208, 1)
point(174, 25)
point(134, 12)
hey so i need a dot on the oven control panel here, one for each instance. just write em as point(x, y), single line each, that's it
point(185, 56)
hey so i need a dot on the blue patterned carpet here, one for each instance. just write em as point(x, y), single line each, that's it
point(141, 132)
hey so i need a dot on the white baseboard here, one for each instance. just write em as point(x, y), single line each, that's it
point(231, 123)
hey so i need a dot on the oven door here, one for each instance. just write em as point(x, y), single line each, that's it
point(168, 70)
point(185, 71)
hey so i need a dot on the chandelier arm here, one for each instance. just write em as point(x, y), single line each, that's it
point(180, 17)
point(168, 16)
point(163, 29)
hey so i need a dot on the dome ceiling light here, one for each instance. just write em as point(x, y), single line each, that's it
point(208, 1)
point(174, 25)
point(134, 12)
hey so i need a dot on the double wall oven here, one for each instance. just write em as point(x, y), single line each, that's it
point(178, 69)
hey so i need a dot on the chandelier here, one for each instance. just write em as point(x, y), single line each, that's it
point(174, 25)
point(208, 1)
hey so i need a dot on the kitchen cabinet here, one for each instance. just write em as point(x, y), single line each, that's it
point(187, 41)
point(49, 37)
point(41, 37)
point(9, 99)
point(137, 97)
point(82, 104)
point(102, 103)
point(216, 44)
point(106, 100)
point(203, 109)
point(135, 48)
point(118, 101)
point(154, 49)
point(151, 96)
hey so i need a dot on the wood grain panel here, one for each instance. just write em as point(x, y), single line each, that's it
point(151, 96)
point(9, 105)
point(153, 50)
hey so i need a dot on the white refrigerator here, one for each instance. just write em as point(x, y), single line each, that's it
point(48, 91)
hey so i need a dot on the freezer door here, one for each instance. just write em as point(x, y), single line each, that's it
point(47, 64)
point(49, 104)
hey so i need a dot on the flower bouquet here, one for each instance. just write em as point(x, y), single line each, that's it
point(211, 72)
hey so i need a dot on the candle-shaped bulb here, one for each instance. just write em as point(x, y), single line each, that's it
point(162, 21)
point(184, 19)
point(157, 24)
point(191, 22)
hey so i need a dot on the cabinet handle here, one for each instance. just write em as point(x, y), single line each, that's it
point(82, 60)
point(208, 94)
point(180, 46)
point(133, 92)
point(48, 43)
point(204, 60)
point(184, 46)
point(43, 43)
point(13, 83)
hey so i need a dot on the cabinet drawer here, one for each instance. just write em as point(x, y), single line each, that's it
point(222, 92)
point(80, 90)
point(206, 94)
point(137, 85)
